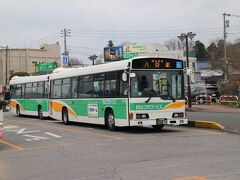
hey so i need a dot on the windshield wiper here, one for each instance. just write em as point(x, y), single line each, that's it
point(150, 97)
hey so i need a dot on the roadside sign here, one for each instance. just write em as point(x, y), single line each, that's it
point(51, 66)
point(129, 55)
point(46, 67)
point(65, 60)
point(132, 50)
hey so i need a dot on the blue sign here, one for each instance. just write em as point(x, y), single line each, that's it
point(65, 60)
point(179, 65)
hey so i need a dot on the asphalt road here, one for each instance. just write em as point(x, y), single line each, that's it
point(44, 150)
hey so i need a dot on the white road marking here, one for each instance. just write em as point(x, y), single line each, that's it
point(34, 138)
point(22, 131)
point(10, 127)
point(51, 134)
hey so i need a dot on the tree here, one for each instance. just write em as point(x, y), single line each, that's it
point(174, 44)
point(74, 62)
point(200, 50)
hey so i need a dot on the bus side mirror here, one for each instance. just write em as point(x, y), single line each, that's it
point(124, 76)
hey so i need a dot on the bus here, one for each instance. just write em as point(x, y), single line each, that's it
point(29, 95)
point(143, 91)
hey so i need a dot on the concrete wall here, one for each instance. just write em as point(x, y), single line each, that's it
point(21, 60)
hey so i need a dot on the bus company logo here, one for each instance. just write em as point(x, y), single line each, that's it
point(148, 107)
point(109, 101)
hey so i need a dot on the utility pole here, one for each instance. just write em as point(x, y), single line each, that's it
point(182, 38)
point(226, 25)
point(66, 33)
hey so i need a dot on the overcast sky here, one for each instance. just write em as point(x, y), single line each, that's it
point(28, 23)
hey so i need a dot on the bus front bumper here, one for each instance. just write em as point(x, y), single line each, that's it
point(159, 121)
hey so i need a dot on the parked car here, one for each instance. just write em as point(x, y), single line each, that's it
point(213, 91)
point(205, 94)
point(204, 99)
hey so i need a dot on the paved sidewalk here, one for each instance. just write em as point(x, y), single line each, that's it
point(213, 108)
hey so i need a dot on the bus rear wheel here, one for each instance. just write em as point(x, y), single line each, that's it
point(65, 118)
point(18, 111)
point(110, 120)
point(40, 113)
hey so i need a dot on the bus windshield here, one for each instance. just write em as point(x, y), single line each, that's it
point(167, 85)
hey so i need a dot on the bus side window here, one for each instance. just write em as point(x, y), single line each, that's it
point(74, 87)
point(13, 89)
point(57, 88)
point(66, 87)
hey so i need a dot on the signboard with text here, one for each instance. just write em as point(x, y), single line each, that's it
point(46, 67)
point(130, 51)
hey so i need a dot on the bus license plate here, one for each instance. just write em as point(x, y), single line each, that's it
point(161, 121)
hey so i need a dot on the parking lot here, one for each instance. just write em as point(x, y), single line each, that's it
point(33, 147)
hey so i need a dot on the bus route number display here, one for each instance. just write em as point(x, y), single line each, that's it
point(157, 63)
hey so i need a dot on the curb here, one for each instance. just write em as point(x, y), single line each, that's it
point(205, 124)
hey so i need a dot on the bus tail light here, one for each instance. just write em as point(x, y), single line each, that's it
point(130, 116)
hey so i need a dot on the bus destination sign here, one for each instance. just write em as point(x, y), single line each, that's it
point(157, 63)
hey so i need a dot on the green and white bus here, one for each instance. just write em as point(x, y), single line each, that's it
point(141, 91)
point(29, 95)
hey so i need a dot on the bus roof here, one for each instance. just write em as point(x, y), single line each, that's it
point(28, 79)
point(113, 66)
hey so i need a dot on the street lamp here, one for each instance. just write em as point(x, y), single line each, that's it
point(182, 37)
point(93, 58)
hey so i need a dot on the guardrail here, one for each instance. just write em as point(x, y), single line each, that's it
point(228, 99)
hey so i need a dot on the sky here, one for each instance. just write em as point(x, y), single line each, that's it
point(92, 23)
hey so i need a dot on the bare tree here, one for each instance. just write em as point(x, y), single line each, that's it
point(176, 44)
point(75, 62)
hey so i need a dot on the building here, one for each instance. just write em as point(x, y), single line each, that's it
point(26, 59)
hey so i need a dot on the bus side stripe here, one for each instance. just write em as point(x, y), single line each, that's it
point(175, 105)
point(58, 108)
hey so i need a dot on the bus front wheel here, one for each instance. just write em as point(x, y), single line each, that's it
point(110, 120)
point(65, 118)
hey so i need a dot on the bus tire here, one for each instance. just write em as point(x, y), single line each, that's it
point(18, 112)
point(65, 117)
point(158, 127)
point(40, 113)
point(110, 120)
